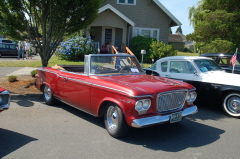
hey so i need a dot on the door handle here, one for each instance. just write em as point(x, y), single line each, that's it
point(65, 79)
point(167, 76)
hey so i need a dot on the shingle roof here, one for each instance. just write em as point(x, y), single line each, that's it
point(175, 38)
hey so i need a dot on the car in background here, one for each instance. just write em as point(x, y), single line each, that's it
point(211, 82)
point(223, 60)
point(4, 99)
point(8, 49)
point(5, 41)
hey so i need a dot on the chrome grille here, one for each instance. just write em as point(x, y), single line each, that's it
point(171, 100)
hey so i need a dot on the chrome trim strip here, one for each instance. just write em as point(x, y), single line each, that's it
point(76, 80)
point(5, 106)
point(75, 107)
point(138, 123)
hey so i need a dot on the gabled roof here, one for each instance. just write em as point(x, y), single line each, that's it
point(168, 13)
point(108, 6)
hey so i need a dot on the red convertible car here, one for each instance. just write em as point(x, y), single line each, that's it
point(116, 87)
point(4, 99)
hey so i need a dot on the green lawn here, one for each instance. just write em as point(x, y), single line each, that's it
point(54, 60)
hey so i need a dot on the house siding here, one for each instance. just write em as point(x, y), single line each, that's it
point(110, 19)
point(145, 14)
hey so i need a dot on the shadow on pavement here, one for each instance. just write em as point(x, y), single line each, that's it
point(11, 141)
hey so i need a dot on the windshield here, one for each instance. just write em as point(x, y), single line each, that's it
point(114, 65)
point(207, 65)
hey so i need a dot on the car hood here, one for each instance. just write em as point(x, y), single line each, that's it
point(145, 84)
point(221, 77)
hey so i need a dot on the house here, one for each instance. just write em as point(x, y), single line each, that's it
point(177, 41)
point(121, 20)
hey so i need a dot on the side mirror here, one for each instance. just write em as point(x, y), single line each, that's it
point(195, 72)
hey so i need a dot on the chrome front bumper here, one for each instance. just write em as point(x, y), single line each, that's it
point(138, 123)
point(5, 100)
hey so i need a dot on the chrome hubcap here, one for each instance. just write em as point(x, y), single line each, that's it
point(233, 104)
point(112, 118)
point(47, 93)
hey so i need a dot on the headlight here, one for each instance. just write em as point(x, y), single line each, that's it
point(143, 105)
point(191, 96)
point(146, 104)
point(188, 97)
point(139, 105)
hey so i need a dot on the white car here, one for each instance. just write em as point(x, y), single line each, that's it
point(212, 83)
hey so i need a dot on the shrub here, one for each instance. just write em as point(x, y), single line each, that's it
point(12, 78)
point(187, 50)
point(33, 73)
point(141, 43)
point(158, 49)
point(75, 49)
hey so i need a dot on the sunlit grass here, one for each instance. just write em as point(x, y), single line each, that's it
point(37, 63)
point(187, 54)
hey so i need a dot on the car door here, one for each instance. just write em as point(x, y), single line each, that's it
point(77, 90)
point(4, 49)
point(180, 70)
point(13, 50)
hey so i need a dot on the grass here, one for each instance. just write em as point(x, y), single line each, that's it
point(37, 63)
point(55, 60)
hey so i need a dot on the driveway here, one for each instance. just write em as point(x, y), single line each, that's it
point(32, 129)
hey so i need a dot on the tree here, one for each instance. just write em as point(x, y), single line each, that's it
point(179, 30)
point(46, 21)
point(215, 20)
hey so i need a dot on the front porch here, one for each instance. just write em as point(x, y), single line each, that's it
point(110, 27)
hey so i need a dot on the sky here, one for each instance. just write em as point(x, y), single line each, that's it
point(179, 8)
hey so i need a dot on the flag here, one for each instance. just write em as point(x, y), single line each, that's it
point(234, 58)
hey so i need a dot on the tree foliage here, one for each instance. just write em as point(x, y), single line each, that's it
point(46, 21)
point(215, 20)
point(159, 50)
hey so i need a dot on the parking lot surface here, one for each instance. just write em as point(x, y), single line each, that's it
point(32, 129)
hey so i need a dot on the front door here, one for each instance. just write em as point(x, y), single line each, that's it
point(108, 35)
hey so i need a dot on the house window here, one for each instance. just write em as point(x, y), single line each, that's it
point(130, 2)
point(147, 32)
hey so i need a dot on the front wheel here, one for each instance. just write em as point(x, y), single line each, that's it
point(114, 121)
point(231, 104)
point(48, 96)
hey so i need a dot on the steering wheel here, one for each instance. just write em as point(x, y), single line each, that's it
point(125, 68)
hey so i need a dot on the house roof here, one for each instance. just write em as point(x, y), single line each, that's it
point(175, 38)
point(168, 13)
point(108, 6)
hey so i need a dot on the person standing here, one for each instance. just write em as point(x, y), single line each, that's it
point(20, 50)
point(27, 47)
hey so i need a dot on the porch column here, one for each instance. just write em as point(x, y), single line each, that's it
point(124, 36)
point(87, 32)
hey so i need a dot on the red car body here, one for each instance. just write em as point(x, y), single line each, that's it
point(91, 92)
point(4, 99)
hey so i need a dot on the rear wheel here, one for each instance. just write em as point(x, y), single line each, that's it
point(48, 96)
point(231, 104)
point(115, 121)
point(0, 54)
